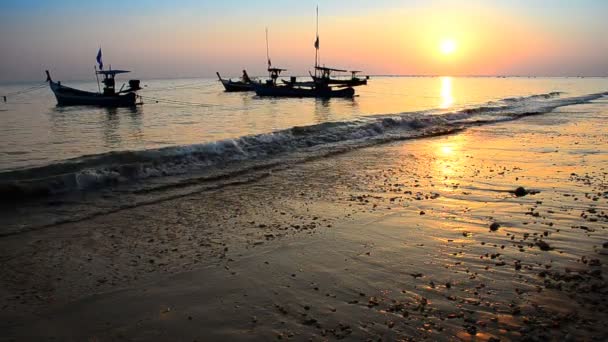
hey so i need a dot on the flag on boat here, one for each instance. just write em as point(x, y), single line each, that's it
point(317, 43)
point(99, 61)
point(269, 63)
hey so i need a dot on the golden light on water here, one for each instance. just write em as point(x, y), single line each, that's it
point(446, 93)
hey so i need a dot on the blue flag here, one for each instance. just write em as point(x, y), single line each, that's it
point(99, 61)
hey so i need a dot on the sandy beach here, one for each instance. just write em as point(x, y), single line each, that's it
point(422, 239)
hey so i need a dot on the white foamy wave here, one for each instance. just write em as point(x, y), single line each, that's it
point(99, 171)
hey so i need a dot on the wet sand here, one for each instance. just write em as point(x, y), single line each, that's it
point(421, 239)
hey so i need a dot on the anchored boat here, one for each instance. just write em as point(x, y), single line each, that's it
point(244, 84)
point(67, 96)
point(298, 89)
point(322, 85)
point(323, 75)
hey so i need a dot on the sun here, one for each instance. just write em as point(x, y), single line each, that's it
point(447, 46)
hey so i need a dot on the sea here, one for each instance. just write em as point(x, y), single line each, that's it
point(188, 135)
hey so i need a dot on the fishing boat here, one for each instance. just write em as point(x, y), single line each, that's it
point(299, 89)
point(317, 92)
point(67, 96)
point(244, 84)
point(292, 88)
point(323, 75)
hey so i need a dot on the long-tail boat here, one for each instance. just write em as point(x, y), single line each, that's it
point(292, 88)
point(244, 84)
point(67, 96)
point(323, 74)
point(299, 89)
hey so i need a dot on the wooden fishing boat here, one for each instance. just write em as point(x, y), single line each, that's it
point(299, 89)
point(292, 88)
point(67, 96)
point(245, 84)
point(323, 75)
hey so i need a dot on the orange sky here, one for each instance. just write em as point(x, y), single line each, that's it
point(197, 38)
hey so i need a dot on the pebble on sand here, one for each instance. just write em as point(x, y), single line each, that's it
point(543, 245)
point(494, 226)
point(520, 191)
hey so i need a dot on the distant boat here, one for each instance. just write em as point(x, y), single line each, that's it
point(320, 87)
point(299, 89)
point(245, 84)
point(67, 96)
point(324, 76)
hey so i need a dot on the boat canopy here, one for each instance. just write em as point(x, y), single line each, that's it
point(112, 72)
point(329, 69)
point(276, 69)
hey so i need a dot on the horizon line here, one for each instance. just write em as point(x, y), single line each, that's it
point(4, 83)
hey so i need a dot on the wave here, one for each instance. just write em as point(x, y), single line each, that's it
point(103, 170)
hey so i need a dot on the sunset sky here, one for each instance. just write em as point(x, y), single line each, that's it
point(197, 38)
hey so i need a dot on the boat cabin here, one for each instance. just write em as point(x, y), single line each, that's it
point(109, 84)
point(274, 75)
point(325, 72)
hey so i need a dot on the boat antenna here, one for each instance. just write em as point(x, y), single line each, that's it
point(267, 54)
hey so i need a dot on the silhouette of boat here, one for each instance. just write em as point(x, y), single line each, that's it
point(324, 76)
point(67, 96)
point(299, 89)
point(245, 84)
point(322, 85)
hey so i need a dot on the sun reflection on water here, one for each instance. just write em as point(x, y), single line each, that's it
point(446, 93)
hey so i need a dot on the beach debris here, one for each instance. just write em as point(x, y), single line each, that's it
point(281, 309)
point(543, 245)
point(494, 226)
point(471, 329)
point(310, 321)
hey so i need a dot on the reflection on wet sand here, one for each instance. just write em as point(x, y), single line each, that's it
point(448, 157)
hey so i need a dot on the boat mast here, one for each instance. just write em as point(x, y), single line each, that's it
point(97, 77)
point(267, 54)
point(317, 43)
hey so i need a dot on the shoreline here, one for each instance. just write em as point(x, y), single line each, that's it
point(390, 241)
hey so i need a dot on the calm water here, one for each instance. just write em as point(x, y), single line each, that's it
point(35, 132)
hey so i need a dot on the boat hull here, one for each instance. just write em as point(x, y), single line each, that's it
point(354, 82)
point(236, 86)
point(67, 96)
point(286, 91)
